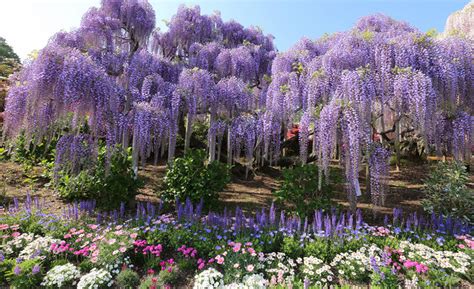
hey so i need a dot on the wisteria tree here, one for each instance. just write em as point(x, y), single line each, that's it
point(134, 84)
point(381, 78)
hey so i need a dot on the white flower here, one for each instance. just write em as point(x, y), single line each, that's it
point(94, 279)
point(209, 278)
point(236, 286)
point(255, 281)
point(61, 275)
point(315, 270)
point(17, 244)
point(37, 247)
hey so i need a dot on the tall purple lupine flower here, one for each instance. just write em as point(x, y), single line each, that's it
point(272, 214)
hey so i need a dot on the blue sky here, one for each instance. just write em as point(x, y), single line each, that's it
point(28, 24)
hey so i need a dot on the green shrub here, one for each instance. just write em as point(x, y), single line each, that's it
point(33, 150)
point(168, 277)
point(151, 281)
point(446, 192)
point(191, 177)
point(86, 266)
point(23, 275)
point(109, 181)
point(6, 266)
point(200, 132)
point(299, 188)
point(320, 247)
point(292, 247)
point(30, 153)
point(128, 279)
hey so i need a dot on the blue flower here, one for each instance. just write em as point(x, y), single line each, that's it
point(440, 241)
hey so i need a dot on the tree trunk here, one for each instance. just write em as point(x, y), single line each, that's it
point(229, 148)
point(189, 131)
point(212, 140)
point(172, 142)
point(219, 147)
point(397, 144)
point(135, 154)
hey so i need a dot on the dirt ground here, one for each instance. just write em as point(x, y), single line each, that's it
point(405, 188)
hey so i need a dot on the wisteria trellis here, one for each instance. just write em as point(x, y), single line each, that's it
point(135, 86)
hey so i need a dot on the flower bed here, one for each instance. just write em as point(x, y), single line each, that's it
point(269, 249)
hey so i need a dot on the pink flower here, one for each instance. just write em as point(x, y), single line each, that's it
point(122, 249)
point(15, 234)
point(133, 235)
point(237, 247)
point(220, 259)
point(236, 265)
point(150, 271)
point(420, 268)
point(4, 227)
point(470, 243)
point(112, 241)
point(250, 268)
point(273, 280)
point(93, 227)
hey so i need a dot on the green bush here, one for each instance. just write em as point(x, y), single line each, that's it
point(200, 131)
point(191, 177)
point(110, 181)
point(23, 275)
point(446, 192)
point(29, 153)
point(164, 279)
point(292, 247)
point(86, 266)
point(128, 279)
point(299, 188)
point(33, 150)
